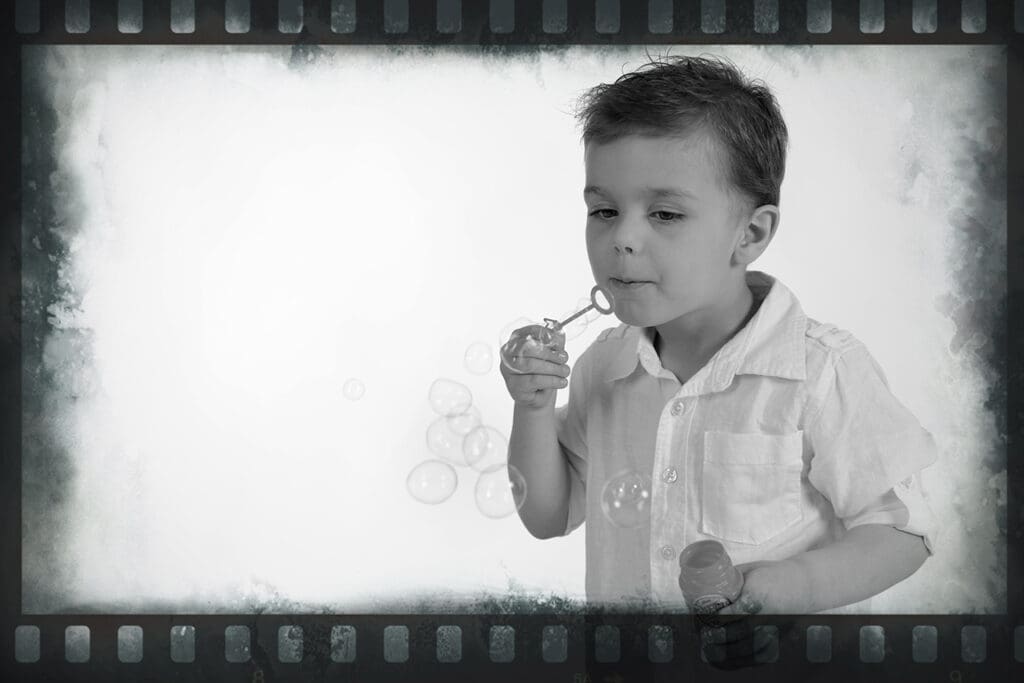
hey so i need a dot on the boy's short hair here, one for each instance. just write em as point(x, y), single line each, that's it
point(673, 96)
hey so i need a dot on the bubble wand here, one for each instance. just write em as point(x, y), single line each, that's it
point(555, 326)
point(518, 342)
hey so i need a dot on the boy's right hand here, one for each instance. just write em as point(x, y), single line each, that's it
point(543, 370)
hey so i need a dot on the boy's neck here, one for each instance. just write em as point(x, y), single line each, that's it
point(689, 341)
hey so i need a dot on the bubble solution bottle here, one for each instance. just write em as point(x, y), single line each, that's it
point(708, 578)
point(519, 342)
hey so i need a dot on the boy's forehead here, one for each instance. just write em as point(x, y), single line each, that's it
point(690, 160)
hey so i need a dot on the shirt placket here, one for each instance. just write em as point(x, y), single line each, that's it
point(668, 534)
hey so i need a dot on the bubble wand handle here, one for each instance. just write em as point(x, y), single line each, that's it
point(556, 326)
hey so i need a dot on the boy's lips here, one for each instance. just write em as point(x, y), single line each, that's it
point(627, 284)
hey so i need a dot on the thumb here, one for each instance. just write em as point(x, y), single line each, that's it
point(745, 605)
point(745, 567)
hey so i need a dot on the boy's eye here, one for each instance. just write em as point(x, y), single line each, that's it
point(667, 215)
point(603, 213)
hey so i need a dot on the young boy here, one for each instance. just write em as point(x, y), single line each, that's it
point(755, 425)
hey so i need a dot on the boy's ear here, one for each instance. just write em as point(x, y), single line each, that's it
point(757, 234)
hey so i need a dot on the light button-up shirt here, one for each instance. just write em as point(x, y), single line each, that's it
point(785, 438)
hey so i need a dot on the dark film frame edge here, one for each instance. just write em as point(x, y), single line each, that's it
point(475, 30)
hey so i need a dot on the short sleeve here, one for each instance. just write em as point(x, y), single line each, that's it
point(572, 432)
point(904, 507)
point(868, 449)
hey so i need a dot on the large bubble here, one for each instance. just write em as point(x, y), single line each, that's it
point(432, 482)
point(445, 436)
point(484, 447)
point(466, 422)
point(626, 499)
point(577, 326)
point(445, 443)
point(353, 389)
point(448, 397)
point(500, 491)
point(478, 358)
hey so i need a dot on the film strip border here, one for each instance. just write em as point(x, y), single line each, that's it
point(578, 649)
point(514, 21)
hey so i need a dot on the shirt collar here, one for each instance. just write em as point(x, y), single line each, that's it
point(771, 343)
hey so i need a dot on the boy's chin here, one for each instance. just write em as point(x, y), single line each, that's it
point(635, 320)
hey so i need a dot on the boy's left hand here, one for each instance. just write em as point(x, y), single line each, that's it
point(769, 587)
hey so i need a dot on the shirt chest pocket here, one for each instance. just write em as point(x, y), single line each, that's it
point(750, 485)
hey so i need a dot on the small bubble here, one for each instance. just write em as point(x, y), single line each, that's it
point(432, 482)
point(466, 422)
point(449, 398)
point(500, 491)
point(353, 389)
point(484, 447)
point(625, 499)
point(479, 358)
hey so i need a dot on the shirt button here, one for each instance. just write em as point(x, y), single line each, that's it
point(669, 475)
point(668, 552)
point(677, 408)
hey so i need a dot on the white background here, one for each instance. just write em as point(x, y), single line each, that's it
point(253, 235)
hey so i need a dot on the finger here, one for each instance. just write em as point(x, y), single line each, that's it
point(550, 351)
point(542, 382)
point(728, 658)
point(745, 567)
point(737, 631)
point(535, 366)
point(528, 385)
point(538, 332)
point(746, 604)
point(754, 649)
point(757, 643)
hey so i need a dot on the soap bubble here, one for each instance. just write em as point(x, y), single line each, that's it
point(485, 446)
point(479, 359)
point(353, 389)
point(500, 491)
point(626, 499)
point(507, 331)
point(445, 443)
point(466, 422)
point(531, 340)
point(577, 326)
point(432, 482)
point(449, 398)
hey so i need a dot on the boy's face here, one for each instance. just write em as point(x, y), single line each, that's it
point(657, 212)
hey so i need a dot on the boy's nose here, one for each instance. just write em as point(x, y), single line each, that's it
point(627, 237)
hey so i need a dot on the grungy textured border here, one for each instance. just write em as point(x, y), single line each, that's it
point(581, 648)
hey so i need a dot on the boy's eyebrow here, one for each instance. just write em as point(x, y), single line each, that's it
point(656, 191)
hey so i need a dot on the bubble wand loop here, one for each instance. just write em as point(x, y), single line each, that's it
point(556, 326)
